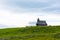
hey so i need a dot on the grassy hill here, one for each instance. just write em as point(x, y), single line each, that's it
point(31, 33)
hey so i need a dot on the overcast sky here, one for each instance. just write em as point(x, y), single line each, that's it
point(15, 13)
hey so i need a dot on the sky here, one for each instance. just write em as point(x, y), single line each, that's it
point(19, 13)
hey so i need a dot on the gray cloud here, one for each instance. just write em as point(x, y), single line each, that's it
point(32, 5)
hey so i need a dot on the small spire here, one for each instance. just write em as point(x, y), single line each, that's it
point(38, 19)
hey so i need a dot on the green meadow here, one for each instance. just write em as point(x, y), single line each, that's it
point(31, 33)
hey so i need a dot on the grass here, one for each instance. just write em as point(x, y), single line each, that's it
point(31, 33)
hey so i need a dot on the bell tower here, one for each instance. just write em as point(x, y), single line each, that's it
point(38, 20)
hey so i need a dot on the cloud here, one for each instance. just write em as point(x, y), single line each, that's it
point(32, 5)
point(15, 20)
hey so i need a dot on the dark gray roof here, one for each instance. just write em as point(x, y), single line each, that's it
point(41, 22)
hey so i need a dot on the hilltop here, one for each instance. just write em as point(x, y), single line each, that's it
point(31, 33)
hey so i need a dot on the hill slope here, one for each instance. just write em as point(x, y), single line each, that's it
point(31, 33)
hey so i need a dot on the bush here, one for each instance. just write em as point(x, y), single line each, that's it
point(57, 35)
